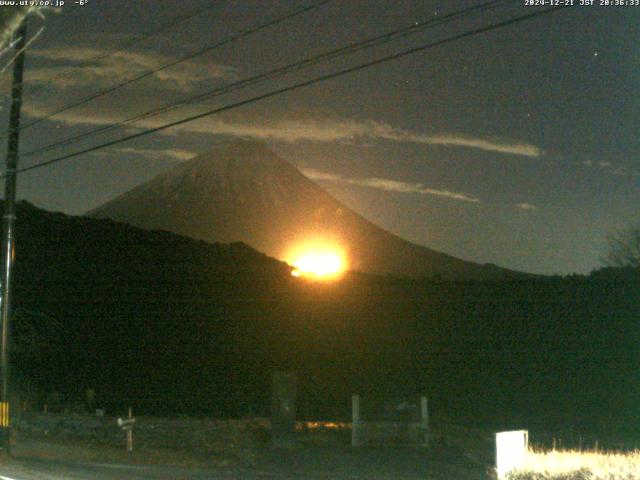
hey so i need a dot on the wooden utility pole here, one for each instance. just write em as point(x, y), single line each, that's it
point(20, 37)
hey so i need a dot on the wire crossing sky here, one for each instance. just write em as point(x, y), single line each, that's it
point(283, 90)
point(173, 63)
point(516, 146)
point(276, 73)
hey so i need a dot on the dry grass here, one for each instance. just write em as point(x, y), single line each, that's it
point(579, 465)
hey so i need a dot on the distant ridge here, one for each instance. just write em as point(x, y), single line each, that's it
point(243, 191)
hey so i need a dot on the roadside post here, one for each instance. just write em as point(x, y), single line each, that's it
point(126, 424)
point(283, 409)
point(355, 420)
point(424, 418)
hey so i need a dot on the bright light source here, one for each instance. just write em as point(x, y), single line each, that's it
point(317, 260)
point(511, 451)
point(320, 264)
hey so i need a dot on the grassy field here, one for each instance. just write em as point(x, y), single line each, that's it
point(579, 465)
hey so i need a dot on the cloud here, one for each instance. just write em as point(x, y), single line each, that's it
point(331, 130)
point(526, 206)
point(157, 154)
point(314, 174)
point(611, 168)
point(316, 130)
point(453, 140)
point(388, 185)
point(91, 67)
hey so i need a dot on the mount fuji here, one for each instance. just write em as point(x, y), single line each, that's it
point(243, 191)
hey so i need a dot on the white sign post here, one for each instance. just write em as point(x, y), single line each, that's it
point(511, 451)
point(127, 425)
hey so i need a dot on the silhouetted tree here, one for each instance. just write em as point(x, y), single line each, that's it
point(624, 248)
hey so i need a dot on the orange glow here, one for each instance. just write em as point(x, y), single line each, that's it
point(317, 260)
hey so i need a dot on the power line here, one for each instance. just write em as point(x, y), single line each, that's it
point(126, 45)
point(299, 85)
point(275, 73)
point(148, 73)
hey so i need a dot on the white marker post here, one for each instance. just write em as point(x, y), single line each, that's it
point(127, 425)
point(511, 451)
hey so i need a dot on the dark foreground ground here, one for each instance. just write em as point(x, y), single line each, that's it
point(38, 459)
point(76, 446)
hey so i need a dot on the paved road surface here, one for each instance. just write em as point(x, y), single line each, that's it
point(314, 464)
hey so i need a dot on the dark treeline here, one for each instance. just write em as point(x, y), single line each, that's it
point(171, 325)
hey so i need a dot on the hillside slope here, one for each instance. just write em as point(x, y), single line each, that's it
point(170, 324)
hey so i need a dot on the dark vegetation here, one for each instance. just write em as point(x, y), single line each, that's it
point(171, 325)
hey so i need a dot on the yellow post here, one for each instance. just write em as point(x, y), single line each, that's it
point(4, 414)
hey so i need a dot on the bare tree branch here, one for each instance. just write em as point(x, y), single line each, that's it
point(624, 248)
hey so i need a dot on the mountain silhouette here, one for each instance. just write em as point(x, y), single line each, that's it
point(243, 191)
point(168, 324)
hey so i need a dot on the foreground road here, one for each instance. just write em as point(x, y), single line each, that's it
point(55, 470)
point(316, 463)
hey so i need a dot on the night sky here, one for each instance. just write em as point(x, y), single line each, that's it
point(517, 146)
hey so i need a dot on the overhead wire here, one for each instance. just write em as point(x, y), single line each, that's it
point(299, 85)
point(387, 37)
point(191, 56)
point(126, 45)
point(167, 26)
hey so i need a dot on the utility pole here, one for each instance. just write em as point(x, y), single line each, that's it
point(8, 234)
